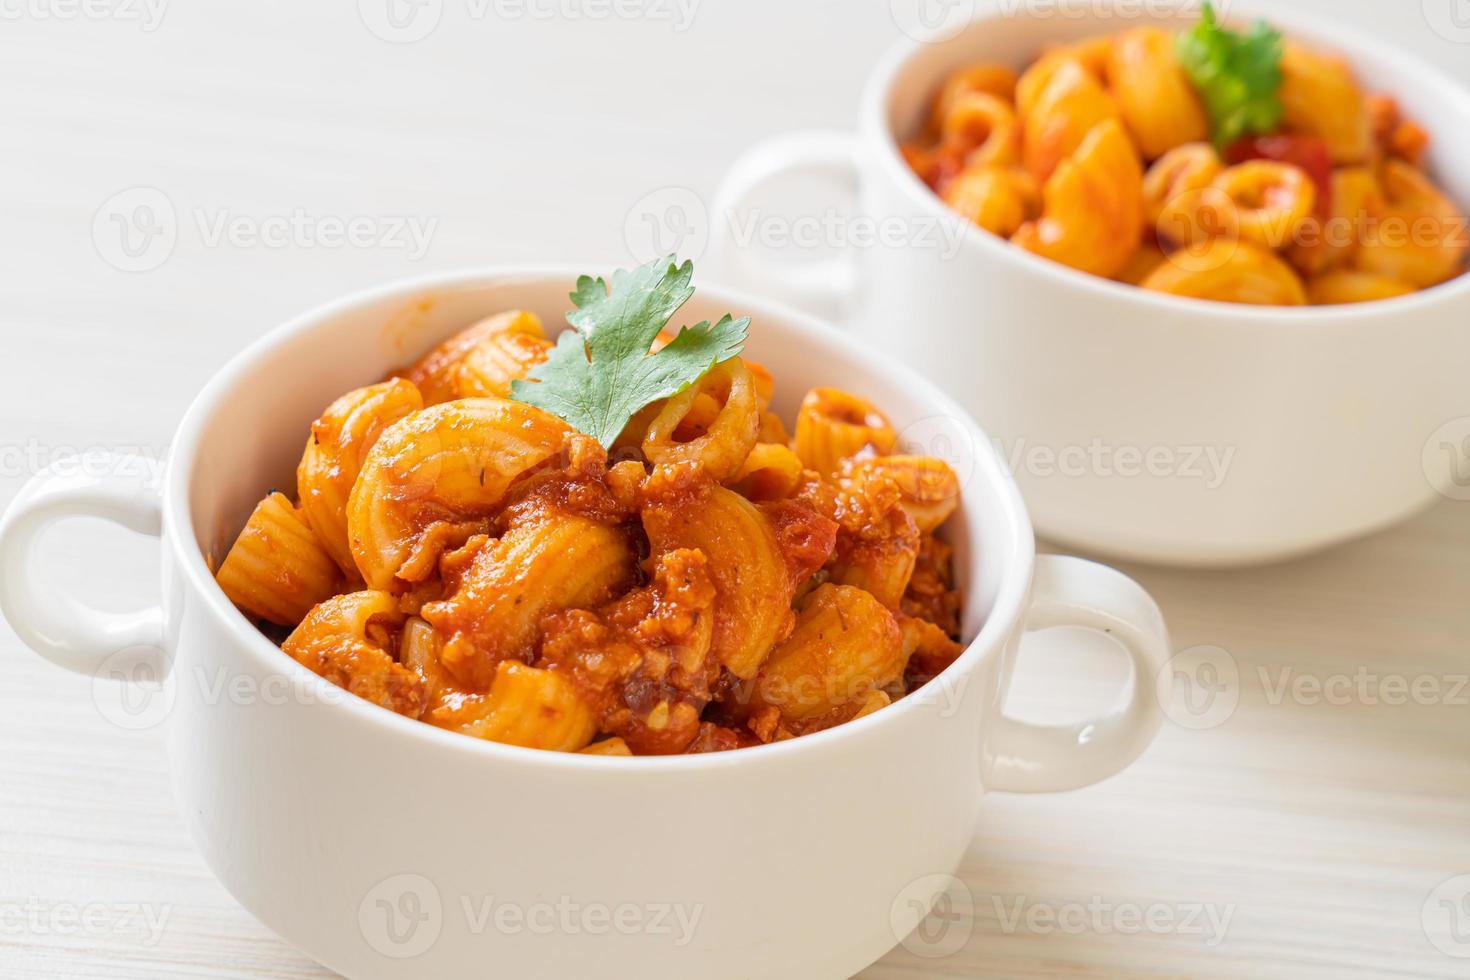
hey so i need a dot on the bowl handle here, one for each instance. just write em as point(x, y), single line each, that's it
point(1030, 758)
point(817, 286)
point(117, 487)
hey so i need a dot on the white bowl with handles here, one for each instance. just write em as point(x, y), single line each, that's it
point(386, 848)
point(1138, 424)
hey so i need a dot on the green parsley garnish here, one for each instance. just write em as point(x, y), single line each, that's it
point(601, 373)
point(1236, 75)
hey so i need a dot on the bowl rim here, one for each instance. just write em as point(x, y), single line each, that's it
point(991, 474)
point(873, 122)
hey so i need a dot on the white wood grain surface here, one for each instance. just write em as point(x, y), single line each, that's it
point(1314, 831)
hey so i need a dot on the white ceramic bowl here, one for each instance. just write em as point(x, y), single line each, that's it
point(1139, 424)
point(386, 848)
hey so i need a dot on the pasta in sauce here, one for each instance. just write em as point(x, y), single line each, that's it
point(1099, 156)
point(709, 583)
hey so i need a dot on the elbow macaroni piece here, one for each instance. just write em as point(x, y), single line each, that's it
point(1319, 98)
point(339, 442)
point(997, 199)
point(714, 422)
point(928, 489)
point(436, 374)
point(981, 130)
point(278, 568)
point(1269, 201)
point(1154, 97)
point(881, 559)
point(1091, 56)
point(1092, 216)
point(547, 560)
point(845, 644)
point(1356, 205)
point(449, 463)
point(1421, 239)
point(1067, 111)
point(526, 706)
point(1229, 270)
point(771, 472)
point(995, 80)
point(492, 364)
point(1182, 172)
point(882, 572)
point(752, 608)
point(344, 640)
point(833, 425)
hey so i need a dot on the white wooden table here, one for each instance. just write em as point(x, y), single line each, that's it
point(1302, 836)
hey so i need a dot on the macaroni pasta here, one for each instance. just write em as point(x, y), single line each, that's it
point(1099, 156)
point(705, 583)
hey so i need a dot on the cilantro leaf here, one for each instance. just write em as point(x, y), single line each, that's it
point(601, 373)
point(1236, 75)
